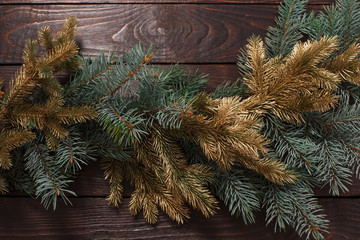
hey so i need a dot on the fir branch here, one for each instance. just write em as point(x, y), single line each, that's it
point(93, 77)
point(30, 56)
point(57, 190)
point(341, 19)
point(239, 193)
point(68, 29)
point(73, 151)
point(11, 139)
point(336, 144)
point(346, 64)
point(76, 114)
point(87, 69)
point(290, 143)
point(122, 124)
point(230, 134)
point(21, 87)
point(295, 205)
point(45, 38)
point(50, 182)
point(156, 130)
point(131, 73)
point(51, 61)
point(151, 189)
point(186, 181)
point(335, 173)
point(291, 19)
point(3, 185)
point(114, 172)
point(117, 79)
point(294, 84)
point(227, 89)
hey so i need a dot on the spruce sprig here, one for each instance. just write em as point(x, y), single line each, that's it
point(146, 111)
point(292, 18)
point(141, 110)
point(39, 145)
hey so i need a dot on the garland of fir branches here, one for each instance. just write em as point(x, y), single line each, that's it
point(290, 122)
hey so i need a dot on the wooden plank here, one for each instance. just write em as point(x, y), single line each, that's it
point(92, 218)
point(344, 218)
point(157, 1)
point(180, 32)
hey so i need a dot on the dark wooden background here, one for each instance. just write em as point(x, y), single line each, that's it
point(203, 34)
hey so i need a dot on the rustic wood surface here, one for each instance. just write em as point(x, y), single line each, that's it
point(91, 218)
point(156, 1)
point(202, 34)
point(195, 33)
point(186, 33)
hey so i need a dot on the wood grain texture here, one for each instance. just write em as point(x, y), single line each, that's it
point(206, 34)
point(156, 1)
point(179, 32)
point(91, 218)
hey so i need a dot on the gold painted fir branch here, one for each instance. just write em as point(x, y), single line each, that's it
point(261, 141)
